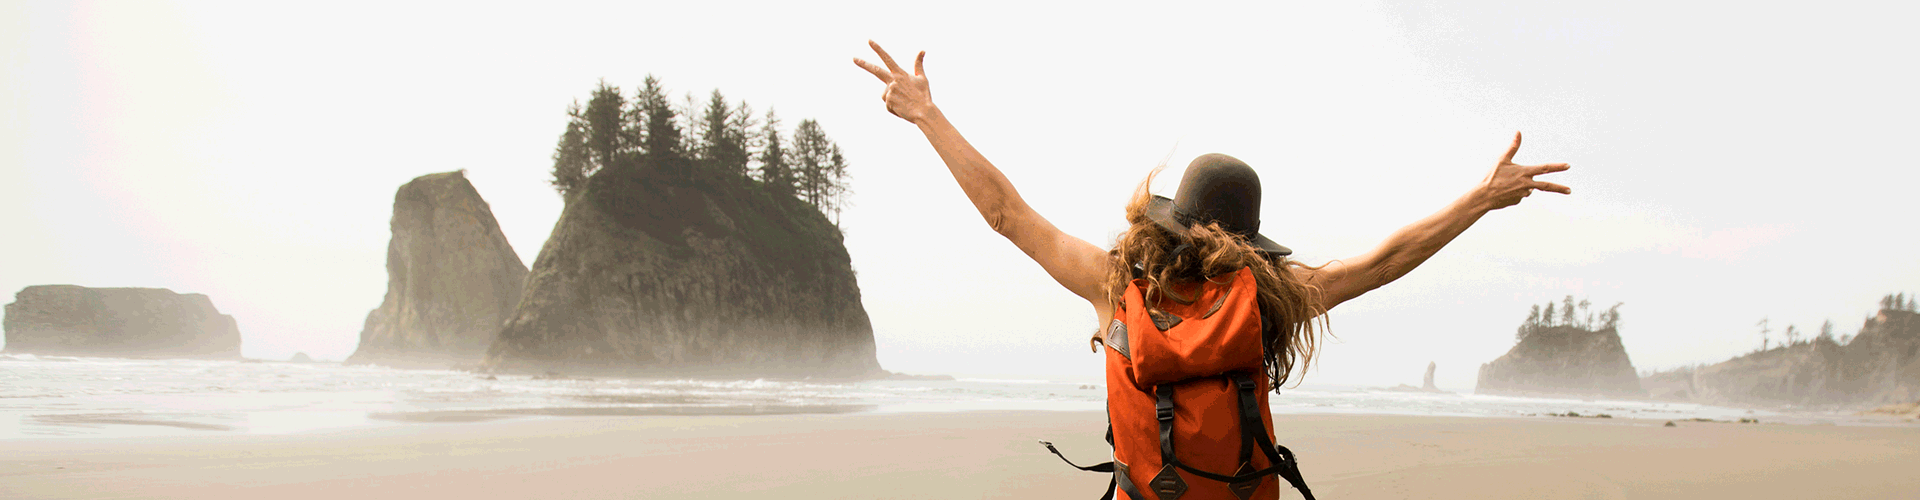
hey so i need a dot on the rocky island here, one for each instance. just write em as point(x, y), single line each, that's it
point(70, 320)
point(671, 260)
point(451, 279)
point(1566, 354)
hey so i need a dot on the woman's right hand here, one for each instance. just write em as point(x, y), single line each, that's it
point(907, 96)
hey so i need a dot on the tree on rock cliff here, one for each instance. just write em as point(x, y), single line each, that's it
point(775, 175)
point(820, 169)
point(655, 141)
point(1611, 318)
point(661, 145)
point(572, 161)
point(1899, 302)
point(721, 148)
point(605, 127)
point(1570, 316)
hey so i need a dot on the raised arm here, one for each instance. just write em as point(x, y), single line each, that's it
point(1074, 263)
point(1505, 186)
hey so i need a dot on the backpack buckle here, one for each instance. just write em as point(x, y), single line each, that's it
point(1163, 406)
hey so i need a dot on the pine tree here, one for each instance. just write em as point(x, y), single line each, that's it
point(1566, 311)
point(662, 146)
point(774, 172)
point(1764, 331)
point(722, 150)
point(605, 132)
point(1793, 335)
point(739, 129)
point(573, 161)
point(820, 175)
point(1547, 317)
point(1610, 320)
point(840, 194)
point(1826, 332)
point(1526, 328)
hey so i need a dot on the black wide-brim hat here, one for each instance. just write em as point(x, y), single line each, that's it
point(1216, 188)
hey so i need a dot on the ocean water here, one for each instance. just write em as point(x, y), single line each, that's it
point(56, 397)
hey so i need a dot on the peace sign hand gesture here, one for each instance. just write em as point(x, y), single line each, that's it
point(1508, 183)
point(907, 96)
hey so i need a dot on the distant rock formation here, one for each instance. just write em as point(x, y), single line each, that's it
point(1426, 384)
point(70, 320)
point(1880, 366)
point(300, 357)
point(451, 279)
point(1565, 361)
point(646, 276)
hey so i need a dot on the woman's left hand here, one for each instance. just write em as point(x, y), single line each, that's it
point(907, 96)
point(1508, 183)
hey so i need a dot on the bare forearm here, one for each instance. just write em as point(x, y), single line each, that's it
point(1412, 245)
point(984, 184)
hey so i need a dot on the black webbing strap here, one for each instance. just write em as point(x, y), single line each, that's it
point(1163, 411)
point(1119, 480)
point(1100, 467)
point(1283, 462)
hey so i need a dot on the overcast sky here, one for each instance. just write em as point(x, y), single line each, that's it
point(1729, 163)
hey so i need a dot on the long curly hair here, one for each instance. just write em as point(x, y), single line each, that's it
point(1166, 261)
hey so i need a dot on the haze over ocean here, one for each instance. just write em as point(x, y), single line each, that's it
point(61, 396)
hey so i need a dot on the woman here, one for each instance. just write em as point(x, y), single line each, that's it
point(1176, 250)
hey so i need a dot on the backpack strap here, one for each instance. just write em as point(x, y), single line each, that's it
point(1120, 480)
point(1251, 427)
point(1167, 484)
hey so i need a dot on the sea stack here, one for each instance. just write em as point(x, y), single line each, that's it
point(1563, 361)
point(72, 320)
point(650, 275)
point(451, 279)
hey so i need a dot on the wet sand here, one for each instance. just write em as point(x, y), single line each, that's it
point(959, 455)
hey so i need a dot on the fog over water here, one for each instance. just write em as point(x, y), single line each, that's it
point(58, 396)
point(1730, 164)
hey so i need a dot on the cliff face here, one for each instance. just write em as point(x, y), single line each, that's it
point(451, 278)
point(118, 322)
point(1879, 366)
point(1563, 360)
point(647, 278)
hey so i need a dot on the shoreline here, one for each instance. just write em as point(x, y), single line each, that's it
point(974, 454)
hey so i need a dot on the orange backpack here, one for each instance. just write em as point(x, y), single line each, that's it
point(1187, 398)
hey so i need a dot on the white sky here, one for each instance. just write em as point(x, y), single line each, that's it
point(1730, 163)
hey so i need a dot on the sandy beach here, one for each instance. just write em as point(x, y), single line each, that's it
point(960, 455)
